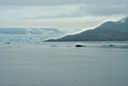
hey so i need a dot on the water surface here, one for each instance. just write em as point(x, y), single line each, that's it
point(61, 64)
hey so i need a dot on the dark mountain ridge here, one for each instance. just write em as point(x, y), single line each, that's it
point(108, 31)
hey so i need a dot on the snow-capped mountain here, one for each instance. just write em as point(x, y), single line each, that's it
point(28, 35)
point(108, 31)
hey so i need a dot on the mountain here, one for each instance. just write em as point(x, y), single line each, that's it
point(28, 35)
point(29, 31)
point(108, 31)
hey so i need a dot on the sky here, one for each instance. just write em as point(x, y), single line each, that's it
point(62, 14)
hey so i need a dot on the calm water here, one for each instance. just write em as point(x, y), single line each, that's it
point(61, 64)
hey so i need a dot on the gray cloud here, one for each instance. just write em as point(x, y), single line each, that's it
point(65, 13)
point(90, 10)
point(60, 2)
point(103, 9)
point(85, 7)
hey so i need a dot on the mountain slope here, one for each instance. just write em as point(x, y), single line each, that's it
point(109, 31)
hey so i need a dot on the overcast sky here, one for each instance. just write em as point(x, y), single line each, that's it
point(63, 14)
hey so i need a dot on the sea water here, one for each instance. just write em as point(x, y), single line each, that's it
point(62, 64)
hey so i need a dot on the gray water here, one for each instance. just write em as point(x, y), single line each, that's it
point(61, 64)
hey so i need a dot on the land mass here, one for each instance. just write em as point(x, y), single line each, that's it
point(108, 31)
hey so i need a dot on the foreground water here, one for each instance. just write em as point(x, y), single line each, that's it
point(61, 64)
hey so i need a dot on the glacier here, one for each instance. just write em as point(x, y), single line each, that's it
point(28, 35)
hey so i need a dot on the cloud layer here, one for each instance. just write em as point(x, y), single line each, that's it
point(61, 2)
point(60, 13)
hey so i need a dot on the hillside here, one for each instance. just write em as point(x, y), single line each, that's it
point(108, 31)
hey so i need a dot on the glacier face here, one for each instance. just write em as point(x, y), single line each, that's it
point(28, 35)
